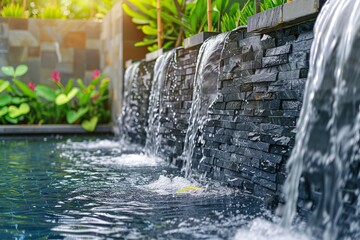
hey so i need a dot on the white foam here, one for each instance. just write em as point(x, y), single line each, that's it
point(98, 144)
point(166, 186)
point(132, 160)
point(260, 229)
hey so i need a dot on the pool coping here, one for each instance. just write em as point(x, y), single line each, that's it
point(52, 129)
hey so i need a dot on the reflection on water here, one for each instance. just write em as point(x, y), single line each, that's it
point(73, 189)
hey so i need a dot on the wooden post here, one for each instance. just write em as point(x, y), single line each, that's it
point(209, 15)
point(92, 8)
point(24, 7)
point(159, 24)
point(257, 6)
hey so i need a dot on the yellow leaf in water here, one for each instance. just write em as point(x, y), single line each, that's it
point(188, 189)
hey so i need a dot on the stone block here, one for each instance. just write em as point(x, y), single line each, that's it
point(92, 59)
point(263, 20)
point(18, 55)
point(275, 60)
point(278, 50)
point(22, 38)
point(4, 30)
point(49, 59)
point(75, 40)
point(34, 52)
point(300, 9)
point(198, 39)
point(18, 23)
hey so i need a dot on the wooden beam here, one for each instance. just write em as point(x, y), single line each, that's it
point(209, 15)
point(257, 6)
point(159, 24)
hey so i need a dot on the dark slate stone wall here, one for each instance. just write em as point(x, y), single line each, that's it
point(136, 116)
point(261, 87)
point(176, 103)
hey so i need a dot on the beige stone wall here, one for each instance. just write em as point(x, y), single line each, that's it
point(33, 42)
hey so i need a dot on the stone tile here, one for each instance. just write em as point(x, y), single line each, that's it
point(4, 45)
point(93, 44)
point(93, 30)
point(4, 30)
point(18, 24)
point(3, 62)
point(18, 55)
point(92, 59)
point(22, 38)
point(67, 55)
point(79, 63)
point(75, 40)
point(48, 59)
point(34, 51)
point(269, 18)
point(65, 68)
point(34, 70)
point(47, 46)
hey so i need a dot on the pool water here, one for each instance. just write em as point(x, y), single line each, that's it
point(57, 188)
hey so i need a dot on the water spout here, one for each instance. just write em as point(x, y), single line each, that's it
point(327, 143)
point(204, 94)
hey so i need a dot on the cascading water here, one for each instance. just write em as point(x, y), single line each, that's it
point(160, 74)
point(130, 74)
point(205, 93)
point(326, 152)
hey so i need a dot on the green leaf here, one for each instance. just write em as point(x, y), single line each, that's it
point(65, 98)
point(5, 99)
point(90, 125)
point(81, 84)
point(21, 70)
point(11, 120)
point(4, 86)
point(24, 89)
point(18, 100)
point(69, 86)
point(73, 116)
point(15, 112)
point(45, 92)
point(3, 111)
point(8, 71)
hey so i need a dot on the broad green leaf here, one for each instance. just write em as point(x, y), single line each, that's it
point(11, 120)
point(45, 92)
point(3, 111)
point(133, 13)
point(147, 30)
point(8, 71)
point(65, 98)
point(15, 112)
point(69, 86)
point(73, 116)
point(21, 70)
point(18, 100)
point(5, 99)
point(4, 85)
point(90, 125)
point(81, 83)
point(24, 89)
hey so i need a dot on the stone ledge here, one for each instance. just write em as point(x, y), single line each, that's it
point(198, 39)
point(51, 129)
point(284, 15)
point(154, 55)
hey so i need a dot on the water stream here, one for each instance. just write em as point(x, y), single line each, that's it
point(153, 140)
point(205, 93)
point(131, 74)
point(326, 152)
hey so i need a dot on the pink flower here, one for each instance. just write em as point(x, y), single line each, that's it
point(31, 85)
point(96, 97)
point(96, 74)
point(56, 76)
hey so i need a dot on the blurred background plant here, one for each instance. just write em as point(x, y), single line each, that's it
point(182, 19)
point(63, 9)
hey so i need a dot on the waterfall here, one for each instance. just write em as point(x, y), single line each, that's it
point(204, 94)
point(153, 140)
point(326, 154)
point(131, 73)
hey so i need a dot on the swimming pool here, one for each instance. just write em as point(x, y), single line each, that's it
point(57, 188)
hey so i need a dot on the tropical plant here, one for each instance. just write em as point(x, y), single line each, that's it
point(52, 12)
point(42, 104)
point(267, 4)
point(13, 10)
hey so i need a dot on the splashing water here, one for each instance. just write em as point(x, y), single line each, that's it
point(327, 143)
point(131, 74)
point(160, 74)
point(205, 93)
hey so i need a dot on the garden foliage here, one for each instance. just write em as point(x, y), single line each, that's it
point(22, 103)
